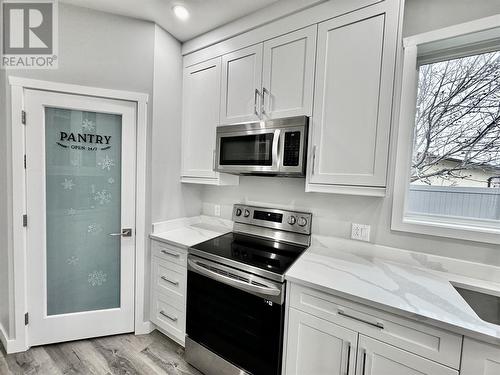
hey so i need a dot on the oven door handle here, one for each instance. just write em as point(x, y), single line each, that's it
point(270, 291)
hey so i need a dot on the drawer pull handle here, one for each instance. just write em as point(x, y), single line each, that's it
point(169, 281)
point(177, 255)
point(172, 318)
point(377, 325)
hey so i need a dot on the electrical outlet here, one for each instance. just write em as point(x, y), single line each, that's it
point(360, 232)
point(217, 209)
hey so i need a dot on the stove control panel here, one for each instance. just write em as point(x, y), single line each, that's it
point(291, 221)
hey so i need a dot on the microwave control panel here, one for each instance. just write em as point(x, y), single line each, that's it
point(291, 150)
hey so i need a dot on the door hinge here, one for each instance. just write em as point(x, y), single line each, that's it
point(25, 220)
point(23, 117)
point(24, 161)
point(26, 319)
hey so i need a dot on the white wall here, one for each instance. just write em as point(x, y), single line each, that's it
point(171, 198)
point(104, 50)
point(333, 214)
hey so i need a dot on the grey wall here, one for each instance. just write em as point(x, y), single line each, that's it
point(4, 210)
point(426, 15)
point(333, 214)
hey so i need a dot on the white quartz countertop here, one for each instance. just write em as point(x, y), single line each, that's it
point(417, 286)
point(186, 232)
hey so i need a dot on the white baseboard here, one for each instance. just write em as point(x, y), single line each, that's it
point(11, 346)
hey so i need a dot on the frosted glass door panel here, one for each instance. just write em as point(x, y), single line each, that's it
point(83, 206)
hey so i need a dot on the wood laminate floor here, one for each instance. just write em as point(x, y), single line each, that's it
point(113, 355)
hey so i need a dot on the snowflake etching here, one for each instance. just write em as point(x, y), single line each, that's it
point(106, 163)
point(97, 278)
point(72, 261)
point(70, 211)
point(103, 197)
point(94, 228)
point(111, 180)
point(75, 162)
point(68, 184)
point(88, 125)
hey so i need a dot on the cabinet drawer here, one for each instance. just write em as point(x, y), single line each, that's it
point(429, 342)
point(169, 318)
point(169, 278)
point(169, 253)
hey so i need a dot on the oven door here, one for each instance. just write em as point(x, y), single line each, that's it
point(252, 151)
point(236, 316)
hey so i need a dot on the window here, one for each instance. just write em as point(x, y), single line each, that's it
point(449, 183)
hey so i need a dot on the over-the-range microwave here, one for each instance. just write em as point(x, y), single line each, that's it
point(272, 147)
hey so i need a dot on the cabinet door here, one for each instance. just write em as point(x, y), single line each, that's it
point(241, 85)
point(378, 358)
point(479, 358)
point(288, 74)
point(353, 96)
point(201, 93)
point(316, 346)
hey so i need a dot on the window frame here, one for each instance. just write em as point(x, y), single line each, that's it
point(451, 42)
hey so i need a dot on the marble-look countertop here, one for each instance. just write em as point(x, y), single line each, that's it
point(413, 285)
point(186, 232)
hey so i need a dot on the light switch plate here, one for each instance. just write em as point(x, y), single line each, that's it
point(360, 232)
point(217, 209)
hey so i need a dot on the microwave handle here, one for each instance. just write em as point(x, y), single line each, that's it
point(276, 145)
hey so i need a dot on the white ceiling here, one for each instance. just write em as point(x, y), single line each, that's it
point(205, 15)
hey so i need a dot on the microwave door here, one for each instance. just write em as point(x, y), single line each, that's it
point(248, 152)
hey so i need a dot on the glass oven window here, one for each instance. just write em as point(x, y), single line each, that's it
point(255, 149)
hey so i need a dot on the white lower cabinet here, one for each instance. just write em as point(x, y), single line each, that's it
point(168, 289)
point(479, 358)
point(378, 358)
point(316, 346)
point(328, 335)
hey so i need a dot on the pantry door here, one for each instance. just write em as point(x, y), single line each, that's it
point(80, 199)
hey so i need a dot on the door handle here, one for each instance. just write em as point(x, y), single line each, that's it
point(127, 232)
point(256, 94)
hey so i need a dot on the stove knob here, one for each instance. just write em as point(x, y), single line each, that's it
point(292, 220)
point(302, 221)
point(238, 212)
point(247, 213)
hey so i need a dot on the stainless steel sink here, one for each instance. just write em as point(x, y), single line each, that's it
point(486, 306)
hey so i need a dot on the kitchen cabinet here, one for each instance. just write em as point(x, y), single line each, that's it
point(480, 358)
point(241, 82)
point(326, 334)
point(273, 79)
point(288, 74)
point(316, 346)
point(349, 142)
point(200, 117)
point(168, 289)
point(378, 358)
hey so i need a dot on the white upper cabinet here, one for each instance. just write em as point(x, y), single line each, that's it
point(480, 358)
point(378, 358)
point(274, 79)
point(200, 117)
point(288, 74)
point(349, 143)
point(316, 346)
point(241, 85)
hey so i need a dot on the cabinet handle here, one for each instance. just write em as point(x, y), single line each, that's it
point(177, 255)
point(364, 362)
point(172, 318)
point(256, 94)
point(169, 281)
point(377, 325)
point(348, 358)
point(314, 159)
point(263, 104)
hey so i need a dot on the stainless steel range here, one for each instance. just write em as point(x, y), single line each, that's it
point(236, 292)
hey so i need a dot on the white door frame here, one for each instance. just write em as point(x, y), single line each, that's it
point(18, 340)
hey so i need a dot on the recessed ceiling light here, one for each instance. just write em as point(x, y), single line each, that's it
point(181, 12)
